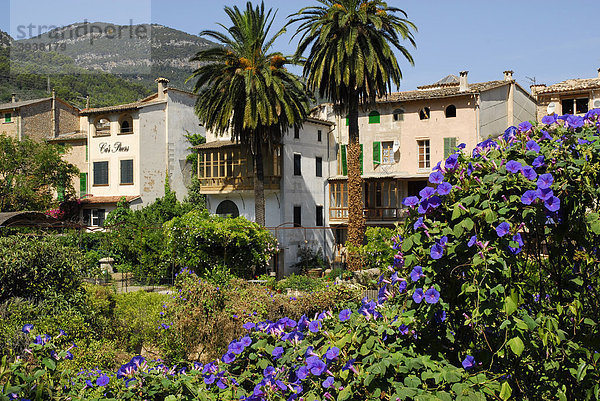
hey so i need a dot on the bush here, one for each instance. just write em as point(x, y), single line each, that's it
point(377, 250)
point(301, 283)
point(38, 267)
point(200, 241)
point(310, 259)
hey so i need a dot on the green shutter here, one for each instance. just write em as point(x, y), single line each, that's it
point(7, 117)
point(82, 184)
point(344, 161)
point(374, 117)
point(347, 120)
point(361, 158)
point(86, 152)
point(376, 152)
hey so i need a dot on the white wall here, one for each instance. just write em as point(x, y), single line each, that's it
point(153, 152)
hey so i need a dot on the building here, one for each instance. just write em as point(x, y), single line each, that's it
point(573, 96)
point(296, 196)
point(407, 133)
point(133, 147)
point(38, 119)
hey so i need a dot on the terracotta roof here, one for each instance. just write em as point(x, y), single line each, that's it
point(93, 200)
point(71, 136)
point(447, 90)
point(215, 145)
point(120, 107)
point(21, 103)
point(572, 85)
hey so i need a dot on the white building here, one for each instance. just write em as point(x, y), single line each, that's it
point(133, 147)
point(296, 195)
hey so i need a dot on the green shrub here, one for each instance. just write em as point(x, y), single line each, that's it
point(300, 282)
point(37, 267)
point(377, 250)
point(310, 259)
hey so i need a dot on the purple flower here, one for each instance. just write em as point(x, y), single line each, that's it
point(411, 201)
point(418, 295)
point(544, 194)
point(236, 347)
point(27, 328)
point(574, 121)
point(552, 204)
point(549, 120)
point(328, 382)
point(426, 192)
point(451, 162)
point(349, 364)
point(277, 352)
point(538, 161)
point(418, 224)
point(417, 273)
point(69, 355)
point(332, 353)
point(434, 202)
point(403, 329)
point(345, 315)
point(210, 379)
point(402, 285)
point(517, 238)
point(472, 241)
point(545, 135)
point(444, 188)
point(221, 384)
point(302, 373)
point(525, 126)
point(545, 181)
point(529, 197)
point(246, 341)
point(440, 316)
point(532, 146)
point(509, 133)
point(468, 362)
point(529, 173)
point(316, 365)
point(432, 296)
point(443, 241)
point(228, 358)
point(314, 326)
point(513, 166)
point(437, 251)
point(249, 325)
point(502, 229)
point(102, 380)
point(436, 177)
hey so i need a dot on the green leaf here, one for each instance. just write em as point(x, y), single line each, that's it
point(505, 391)
point(516, 345)
point(49, 363)
point(468, 223)
point(407, 244)
point(510, 306)
point(345, 393)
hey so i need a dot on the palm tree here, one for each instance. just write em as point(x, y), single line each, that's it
point(245, 90)
point(351, 62)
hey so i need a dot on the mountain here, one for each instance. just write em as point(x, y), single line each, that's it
point(5, 39)
point(135, 52)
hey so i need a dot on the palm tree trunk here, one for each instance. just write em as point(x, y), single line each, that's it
point(259, 186)
point(356, 221)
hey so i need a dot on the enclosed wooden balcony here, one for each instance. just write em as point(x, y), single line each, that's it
point(225, 167)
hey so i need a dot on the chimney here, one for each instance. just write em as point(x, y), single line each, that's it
point(162, 85)
point(464, 84)
point(508, 75)
point(14, 98)
point(598, 72)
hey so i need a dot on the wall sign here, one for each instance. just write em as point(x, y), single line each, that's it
point(105, 147)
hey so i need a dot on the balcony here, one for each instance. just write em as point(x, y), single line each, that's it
point(223, 167)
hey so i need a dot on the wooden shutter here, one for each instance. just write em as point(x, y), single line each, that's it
point(376, 152)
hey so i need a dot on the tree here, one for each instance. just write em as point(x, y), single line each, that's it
point(351, 62)
point(30, 174)
point(245, 90)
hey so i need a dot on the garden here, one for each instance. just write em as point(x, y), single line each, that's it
point(488, 290)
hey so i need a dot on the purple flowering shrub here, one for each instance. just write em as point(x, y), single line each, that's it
point(512, 249)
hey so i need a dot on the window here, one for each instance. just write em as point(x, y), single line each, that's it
point(449, 146)
point(102, 126)
point(374, 117)
point(83, 184)
point(414, 187)
point(387, 152)
point(100, 173)
point(7, 117)
point(319, 136)
point(126, 124)
point(297, 164)
point(228, 208)
point(319, 164)
point(424, 113)
point(424, 154)
point(399, 115)
point(451, 111)
point(126, 172)
point(319, 214)
point(575, 106)
point(94, 217)
point(296, 132)
point(297, 216)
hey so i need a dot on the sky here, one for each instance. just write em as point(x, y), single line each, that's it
point(544, 41)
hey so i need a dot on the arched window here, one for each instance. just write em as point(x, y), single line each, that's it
point(102, 126)
point(228, 209)
point(125, 124)
point(451, 111)
point(374, 117)
point(424, 113)
point(399, 115)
